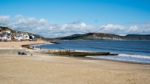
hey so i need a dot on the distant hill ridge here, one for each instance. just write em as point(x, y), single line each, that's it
point(87, 36)
point(105, 36)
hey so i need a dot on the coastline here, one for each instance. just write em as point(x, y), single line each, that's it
point(20, 69)
point(108, 56)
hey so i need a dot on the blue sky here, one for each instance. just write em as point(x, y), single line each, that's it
point(85, 15)
point(90, 11)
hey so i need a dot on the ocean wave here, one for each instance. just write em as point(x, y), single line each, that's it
point(134, 56)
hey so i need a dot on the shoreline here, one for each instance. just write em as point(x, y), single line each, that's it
point(43, 51)
point(23, 69)
point(31, 48)
point(74, 53)
point(118, 61)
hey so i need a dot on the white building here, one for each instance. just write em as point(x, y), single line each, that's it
point(5, 37)
point(18, 36)
point(21, 36)
point(26, 36)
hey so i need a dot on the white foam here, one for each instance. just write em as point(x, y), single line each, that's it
point(134, 56)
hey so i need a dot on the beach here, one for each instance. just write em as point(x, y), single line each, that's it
point(17, 45)
point(39, 68)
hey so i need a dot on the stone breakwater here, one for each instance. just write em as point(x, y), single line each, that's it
point(79, 53)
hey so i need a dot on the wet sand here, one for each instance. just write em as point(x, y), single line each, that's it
point(44, 69)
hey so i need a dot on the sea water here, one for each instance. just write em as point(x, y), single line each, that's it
point(129, 51)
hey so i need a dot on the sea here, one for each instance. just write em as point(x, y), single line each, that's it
point(128, 51)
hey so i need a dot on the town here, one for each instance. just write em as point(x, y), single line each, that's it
point(7, 34)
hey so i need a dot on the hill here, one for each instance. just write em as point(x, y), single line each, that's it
point(105, 36)
point(7, 33)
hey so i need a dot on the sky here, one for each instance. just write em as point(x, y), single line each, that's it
point(65, 17)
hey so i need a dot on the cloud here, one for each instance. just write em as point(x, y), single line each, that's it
point(44, 28)
point(4, 20)
point(139, 29)
point(112, 28)
point(79, 27)
point(123, 30)
point(133, 29)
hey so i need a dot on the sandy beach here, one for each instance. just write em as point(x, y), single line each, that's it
point(17, 45)
point(45, 69)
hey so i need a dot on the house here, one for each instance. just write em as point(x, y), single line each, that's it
point(5, 37)
point(26, 36)
point(5, 31)
point(18, 36)
point(5, 34)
